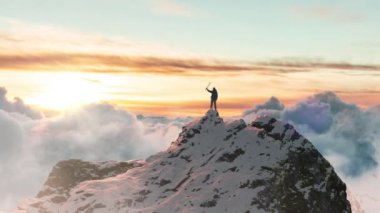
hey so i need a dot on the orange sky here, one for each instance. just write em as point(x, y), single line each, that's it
point(176, 95)
point(56, 69)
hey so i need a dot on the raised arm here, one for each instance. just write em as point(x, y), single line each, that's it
point(208, 90)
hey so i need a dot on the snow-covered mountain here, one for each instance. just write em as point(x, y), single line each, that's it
point(213, 166)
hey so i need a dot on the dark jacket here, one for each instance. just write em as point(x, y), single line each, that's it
point(214, 94)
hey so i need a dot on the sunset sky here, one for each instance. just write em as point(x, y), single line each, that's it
point(157, 56)
point(75, 75)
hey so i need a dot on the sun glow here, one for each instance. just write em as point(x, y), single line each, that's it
point(67, 90)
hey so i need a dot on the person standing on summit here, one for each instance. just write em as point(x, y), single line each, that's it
point(214, 97)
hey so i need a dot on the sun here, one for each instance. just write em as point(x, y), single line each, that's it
point(67, 90)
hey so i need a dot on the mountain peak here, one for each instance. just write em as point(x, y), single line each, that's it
point(210, 119)
point(213, 166)
point(212, 113)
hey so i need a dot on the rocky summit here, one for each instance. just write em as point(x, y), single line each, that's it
point(213, 166)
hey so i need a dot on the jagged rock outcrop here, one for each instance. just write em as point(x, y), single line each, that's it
point(65, 175)
point(213, 166)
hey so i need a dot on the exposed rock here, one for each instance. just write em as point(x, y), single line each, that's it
point(65, 175)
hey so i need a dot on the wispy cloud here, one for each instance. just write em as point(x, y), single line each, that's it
point(327, 13)
point(26, 46)
point(112, 63)
point(29, 38)
point(173, 7)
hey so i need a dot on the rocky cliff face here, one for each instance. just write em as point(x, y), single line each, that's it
point(65, 175)
point(213, 166)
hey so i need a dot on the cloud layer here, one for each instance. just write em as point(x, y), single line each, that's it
point(32, 144)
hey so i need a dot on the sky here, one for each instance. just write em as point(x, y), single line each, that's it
point(69, 68)
point(128, 52)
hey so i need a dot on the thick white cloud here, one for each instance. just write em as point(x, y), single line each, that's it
point(314, 114)
point(272, 104)
point(31, 146)
point(17, 105)
point(11, 137)
point(335, 127)
point(273, 107)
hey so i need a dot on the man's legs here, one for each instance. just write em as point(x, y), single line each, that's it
point(211, 102)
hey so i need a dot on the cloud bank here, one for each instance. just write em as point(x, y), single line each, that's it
point(31, 145)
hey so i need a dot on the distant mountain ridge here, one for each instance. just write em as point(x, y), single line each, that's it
point(213, 166)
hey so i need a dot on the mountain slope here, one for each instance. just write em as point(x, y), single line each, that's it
point(355, 205)
point(266, 166)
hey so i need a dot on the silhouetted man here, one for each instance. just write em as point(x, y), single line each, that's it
point(214, 97)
